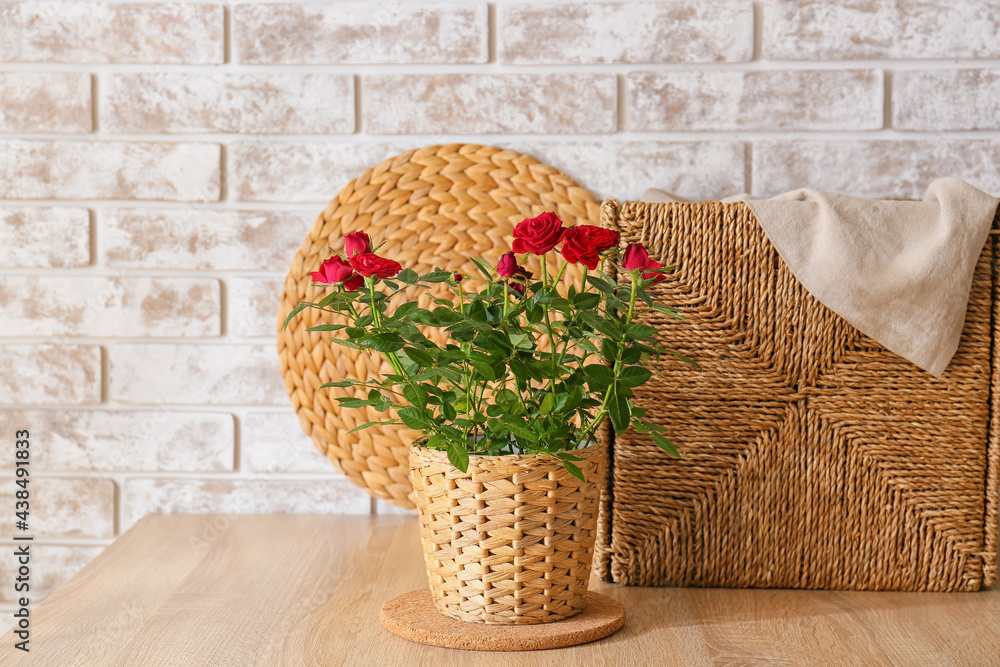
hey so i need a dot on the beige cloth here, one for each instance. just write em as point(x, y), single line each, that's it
point(899, 271)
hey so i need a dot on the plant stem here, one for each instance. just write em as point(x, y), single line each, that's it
point(548, 329)
point(618, 362)
point(377, 318)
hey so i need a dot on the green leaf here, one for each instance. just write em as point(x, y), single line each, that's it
point(458, 456)
point(384, 342)
point(599, 374)
point(604, 325)
point(637, 331)
point(665, 445)
point(348, 402)
point(602, 285)
point(574, 470)
point(416, 418)
point(416, 395)
point(418, 356)
point(634, 376)
point(327, 327)
point(523, 434)
point(483, 267)
point(619, 410)
point(609, 349)
point(406, 309)
point(408, 276)
point(547, 404)
point(666, 310)
point(586, 300)
point(684, 359)
point(339, 383)
point(436, 276)
point(566, 402)
point(367, 424)
point(296, 310)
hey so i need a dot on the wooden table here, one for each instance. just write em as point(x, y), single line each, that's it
point(306, 590)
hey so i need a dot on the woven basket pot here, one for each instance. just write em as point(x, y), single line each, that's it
point(510, 541)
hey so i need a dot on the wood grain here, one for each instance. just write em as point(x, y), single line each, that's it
point(306, 590)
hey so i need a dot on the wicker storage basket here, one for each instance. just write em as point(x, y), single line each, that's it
point(812, 457)
point(512, 540)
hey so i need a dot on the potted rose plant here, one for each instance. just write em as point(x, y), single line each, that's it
point(509, 471)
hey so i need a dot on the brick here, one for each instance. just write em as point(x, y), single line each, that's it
point(486, 103)
point(51, 566)
point(300, 171)
point(360, 33)
point(240, 103)
point(99, 306)
point(51, 102)
point(190, 374)
point(64, 507)
point(104, 32)
point(50, 237)
point(119, 440)
point(143, 496)
point(198, 238)
point(625, 169)
point(937, 100)
point(756, 100)
point(886, 168)
point(49, 374)
point(109, 170)
point(858, 29)
point(624, 32)
point(274, 442)
point(253, 305)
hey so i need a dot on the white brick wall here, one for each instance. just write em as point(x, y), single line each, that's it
point(160, 163)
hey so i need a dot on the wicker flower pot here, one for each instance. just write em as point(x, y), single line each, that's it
point(511, 540)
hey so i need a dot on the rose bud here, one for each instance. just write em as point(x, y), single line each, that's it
point(333, 270)
point(577, 248)
point(357, 243)
point(602, 239)
point(519, 286)
point(507, 266)
point(635, 257)
point(354, 282)
point(369, 264)
point(458, 277)
point(538, 235)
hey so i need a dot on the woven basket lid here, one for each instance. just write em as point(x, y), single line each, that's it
point(435, 206)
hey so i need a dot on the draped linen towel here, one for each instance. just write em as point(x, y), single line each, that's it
point(899, 271)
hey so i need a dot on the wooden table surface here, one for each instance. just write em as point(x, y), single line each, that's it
point(306, 590)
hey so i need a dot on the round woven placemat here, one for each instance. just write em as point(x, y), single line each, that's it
point(413, 616)
point(435, 206)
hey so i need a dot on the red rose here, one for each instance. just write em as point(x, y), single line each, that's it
point(635, 257)
point(507, 266)
point(458, 277)
point(333, 270)
point(369, 264)
point(353, 283)
point(602, 239)
point(357, 243)
point(537, 235)
point(577, 248)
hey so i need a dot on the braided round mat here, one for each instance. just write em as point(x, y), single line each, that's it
point(435, 206)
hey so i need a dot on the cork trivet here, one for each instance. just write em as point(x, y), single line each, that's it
point(413, 616)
